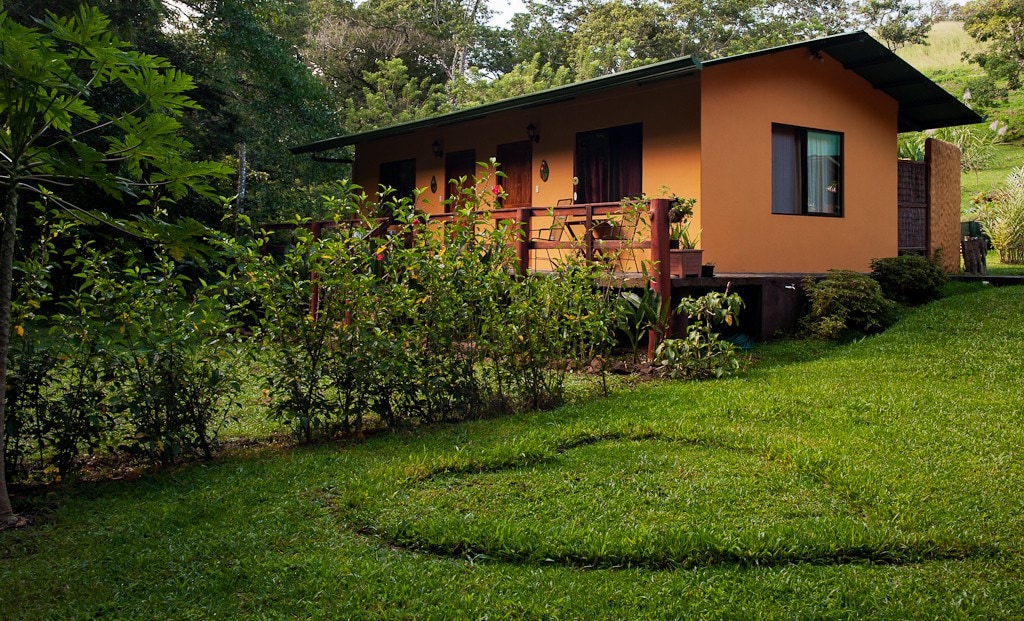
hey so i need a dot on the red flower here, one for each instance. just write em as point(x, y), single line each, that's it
point(496, 190)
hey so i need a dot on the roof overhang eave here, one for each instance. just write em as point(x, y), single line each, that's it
point(651, 73)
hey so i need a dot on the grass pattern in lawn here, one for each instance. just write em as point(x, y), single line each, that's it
point(664, 502)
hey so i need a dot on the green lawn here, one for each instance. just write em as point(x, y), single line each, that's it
point(995, 268)
point(883, 478)
point(1005, 158)
point(944, 50)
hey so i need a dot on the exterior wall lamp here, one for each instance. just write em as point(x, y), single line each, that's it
point(436, 149)
point(531, 133)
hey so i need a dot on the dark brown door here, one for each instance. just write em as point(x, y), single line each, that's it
point(459, 171)
point(516, 160)
point(609, 164)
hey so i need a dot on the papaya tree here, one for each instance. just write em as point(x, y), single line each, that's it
point(79, 107)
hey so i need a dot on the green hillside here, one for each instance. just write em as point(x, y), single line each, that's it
point(944, 50)
point(942, 59)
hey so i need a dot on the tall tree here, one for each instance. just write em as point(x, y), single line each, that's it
point(614, 35)
point(725, 27)
point(257, 91)
point(1000, 24)
point(896, 22)
point(54, 137)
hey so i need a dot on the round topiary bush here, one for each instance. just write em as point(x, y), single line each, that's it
point(846, 303)
point(909, 279)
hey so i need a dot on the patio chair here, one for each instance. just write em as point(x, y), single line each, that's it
point(620, 243)
point(557, 236)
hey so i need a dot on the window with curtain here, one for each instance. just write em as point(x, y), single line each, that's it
point(806, 171)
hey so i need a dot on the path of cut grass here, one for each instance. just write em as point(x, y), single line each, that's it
point(883, 478)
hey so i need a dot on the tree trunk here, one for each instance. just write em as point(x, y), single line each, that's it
point(240, 194)
point(10, 224)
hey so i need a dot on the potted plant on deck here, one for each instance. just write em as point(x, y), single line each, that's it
point(685, 257)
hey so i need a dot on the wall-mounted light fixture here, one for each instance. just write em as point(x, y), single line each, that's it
point(436, 149)
point(531, 133)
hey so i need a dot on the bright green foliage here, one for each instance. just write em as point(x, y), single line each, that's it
point(726, 27)
point(1000, 24)
point(53, 137)
point(975, 144)
point(391, 95)
point(910, 146)
point(439, 328)
point(897, 22)
point(136, 359)
point(52, 132)
point(846, 303)
point(1002, 216)
point(908, 279)
point(614, 36)
point(640, 313)
point(702, 353)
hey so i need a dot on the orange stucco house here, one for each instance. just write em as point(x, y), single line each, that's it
point(790, 152)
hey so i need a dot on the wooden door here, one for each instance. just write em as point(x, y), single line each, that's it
point(516, 160)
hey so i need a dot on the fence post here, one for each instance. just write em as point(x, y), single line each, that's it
point(661, 272)
point(523, 220)
point(314, 294)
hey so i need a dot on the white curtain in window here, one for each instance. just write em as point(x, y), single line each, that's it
point(785, 170)
point(822, 172)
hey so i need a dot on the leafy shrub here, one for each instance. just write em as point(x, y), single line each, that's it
point(844, 303)
point(427, 322)
point(702, 353)
point(976, 145)
point(1002, 216)
point(161, 335)
point(908, 279)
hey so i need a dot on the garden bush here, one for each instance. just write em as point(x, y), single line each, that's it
point(702, 353)
point(908, 279)
point(134, 358)
point(1002, 216)
point(442, 327)
point(846, 303)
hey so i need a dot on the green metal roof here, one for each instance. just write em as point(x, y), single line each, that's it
point(923, 104)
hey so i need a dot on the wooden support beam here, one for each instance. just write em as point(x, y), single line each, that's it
point(661, 273)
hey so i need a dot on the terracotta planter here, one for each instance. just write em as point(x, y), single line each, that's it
point(685, 262)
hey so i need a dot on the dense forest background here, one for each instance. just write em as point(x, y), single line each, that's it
point(273, 74)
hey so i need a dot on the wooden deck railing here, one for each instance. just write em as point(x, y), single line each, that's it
point(587, 234)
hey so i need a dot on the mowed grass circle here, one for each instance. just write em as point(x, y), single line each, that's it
point(643, 502)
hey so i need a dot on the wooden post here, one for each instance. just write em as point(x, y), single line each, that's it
point(974, 249)
point(524, 217)
point(661, 273)
point(588, 232)
point(314, 294)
